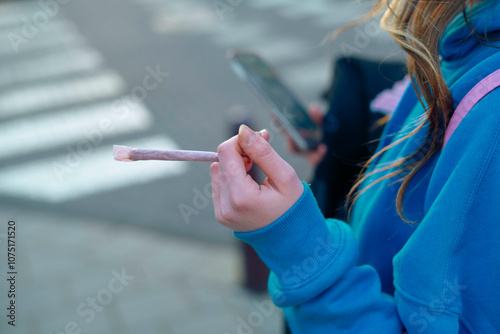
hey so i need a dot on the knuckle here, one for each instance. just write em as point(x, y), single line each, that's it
point(222, 148)
point(238, 201)
point(263, 150)
point(227, 146)
point(214, 168)
point(218, 217)
point(227, 214)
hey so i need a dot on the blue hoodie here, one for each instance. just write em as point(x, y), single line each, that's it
point(380, 274)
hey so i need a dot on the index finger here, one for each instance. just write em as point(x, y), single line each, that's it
point(230, 161)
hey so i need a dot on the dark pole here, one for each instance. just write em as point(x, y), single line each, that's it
point(256, 272)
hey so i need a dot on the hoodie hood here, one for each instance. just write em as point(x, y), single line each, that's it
point(458, 41)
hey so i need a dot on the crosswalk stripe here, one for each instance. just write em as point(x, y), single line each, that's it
point(266, 4)
point(73, 175)
point(342, 14)
point(49, 66)
point(286, 49)
point(57, 41)
point(107, 84)
point(309, 78)
point(193, 20)
point(21, 25)
point(92, 123)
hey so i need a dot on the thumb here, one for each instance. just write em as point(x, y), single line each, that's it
point(261, 152)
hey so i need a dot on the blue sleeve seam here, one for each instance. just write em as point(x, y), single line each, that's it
point(422, 303)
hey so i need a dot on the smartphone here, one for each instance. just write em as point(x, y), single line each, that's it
point(277, 98)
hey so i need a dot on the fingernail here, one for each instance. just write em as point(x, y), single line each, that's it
point(263, 132)
point(246, 135)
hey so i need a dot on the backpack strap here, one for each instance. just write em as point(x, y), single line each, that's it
point(475, 95)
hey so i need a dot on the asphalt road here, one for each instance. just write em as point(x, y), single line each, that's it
point(78, 77)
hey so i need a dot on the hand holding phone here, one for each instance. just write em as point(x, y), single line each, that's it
point(317, 155)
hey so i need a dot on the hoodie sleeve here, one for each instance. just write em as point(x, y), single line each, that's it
point(445, 276)
point(314, 277)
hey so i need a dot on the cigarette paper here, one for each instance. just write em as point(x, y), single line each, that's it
point(125, 153)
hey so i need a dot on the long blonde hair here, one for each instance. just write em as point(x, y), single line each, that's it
point(417, 26)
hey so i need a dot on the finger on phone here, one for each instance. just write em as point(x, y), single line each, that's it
point(291, 145)
point(316, 113)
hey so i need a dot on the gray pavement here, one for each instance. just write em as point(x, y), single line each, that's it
point(139, 281)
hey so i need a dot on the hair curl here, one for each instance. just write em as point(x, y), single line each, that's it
point(417, 26)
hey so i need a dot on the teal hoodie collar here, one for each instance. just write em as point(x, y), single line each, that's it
point(458, 40)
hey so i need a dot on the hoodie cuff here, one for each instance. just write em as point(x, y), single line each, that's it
point(299, 245)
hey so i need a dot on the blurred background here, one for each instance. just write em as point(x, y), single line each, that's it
point(108, 247)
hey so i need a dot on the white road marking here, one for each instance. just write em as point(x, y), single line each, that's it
point(341, 14)
point(25, 135)
point(190, 20)
point(254, 36)
point(41, 180)
point(31, 99)
point(267, 4)
point(85, 167)
point(309, 78)
point(49, 66)
point(321, 13)
point(284, 49)
point(312, 72)
point(58, 32)
point(57, 40)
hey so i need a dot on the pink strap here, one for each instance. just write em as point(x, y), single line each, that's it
point(475, 95)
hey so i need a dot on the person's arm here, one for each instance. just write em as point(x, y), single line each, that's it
point(314, 277)
point(448, 262)
point(445, 275)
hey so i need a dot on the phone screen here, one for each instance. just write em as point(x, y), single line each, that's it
point(265, 81)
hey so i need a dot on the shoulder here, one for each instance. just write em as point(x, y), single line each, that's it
point(456, 242)
point(478, 130)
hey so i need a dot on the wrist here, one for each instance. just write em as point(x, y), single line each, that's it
point(301, 233)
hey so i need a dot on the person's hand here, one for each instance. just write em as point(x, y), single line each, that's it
point(316, 156)
point(239, 202)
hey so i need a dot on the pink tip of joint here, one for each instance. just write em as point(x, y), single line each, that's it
point(122, 153)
